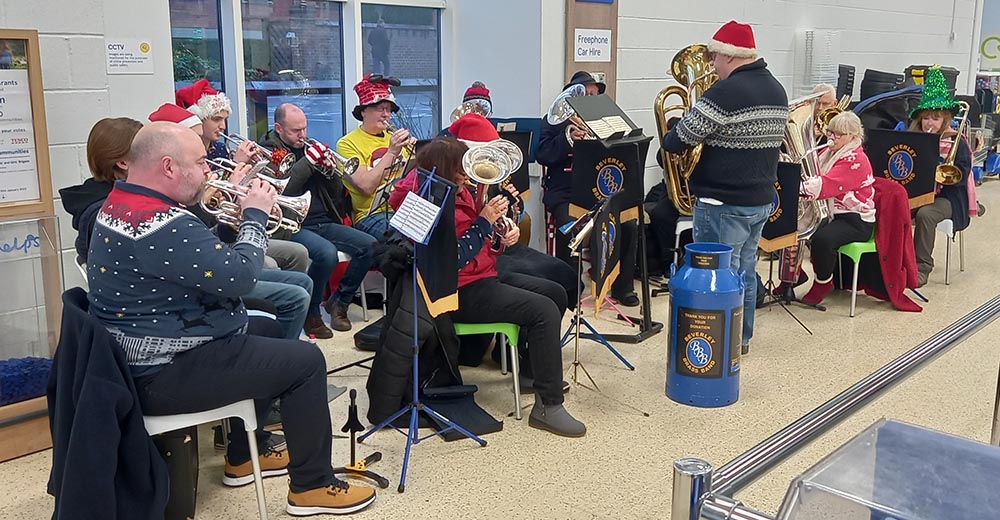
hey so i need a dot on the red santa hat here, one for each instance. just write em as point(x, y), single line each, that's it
point(374, 89)
point(203, 100)
point(175, 114)
point(473, 130)
point(734, 39)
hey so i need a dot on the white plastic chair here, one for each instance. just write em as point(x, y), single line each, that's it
point(683, 224)
point(157, 424)
point(82, 267)
point(947, 227)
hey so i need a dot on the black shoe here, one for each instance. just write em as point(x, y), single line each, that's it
point(627, 300)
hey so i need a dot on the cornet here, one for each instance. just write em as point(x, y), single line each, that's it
point(225, 207)
point(280, 161)
point(342, 166)
point(260, 171)
point(400, 159)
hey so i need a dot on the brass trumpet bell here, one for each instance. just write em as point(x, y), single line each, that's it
point(948, 174)
point(342, 166)
point(278, 161)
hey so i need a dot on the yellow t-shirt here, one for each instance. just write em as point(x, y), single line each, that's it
point(368, 149)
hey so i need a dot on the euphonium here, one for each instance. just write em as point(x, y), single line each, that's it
point(279, 161)
point(476, 106)
point(487, 165)
point(229, 212)
point(692, 68)
point(560, 110)
point(947, 173)
point(342, 166)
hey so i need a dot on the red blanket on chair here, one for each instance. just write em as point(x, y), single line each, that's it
point(894, 241)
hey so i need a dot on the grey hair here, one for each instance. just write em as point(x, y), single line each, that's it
point(847, 123)
point(824, 88)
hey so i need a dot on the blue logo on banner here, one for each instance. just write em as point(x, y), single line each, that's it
point(775, 205)
point(900, 165)
point(699, 352)
point(609, 180)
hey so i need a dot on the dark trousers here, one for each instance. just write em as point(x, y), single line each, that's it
point(624, 284)
point(843, 229)
point(534, 304)
point(239, 367)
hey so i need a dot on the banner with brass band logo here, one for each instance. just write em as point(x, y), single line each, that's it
point(605, 247)
point(782, 227)
point(909, 158)
point(599, 172)
point(701, 335)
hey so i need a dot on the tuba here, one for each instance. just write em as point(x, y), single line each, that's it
point(491, 164)
point(692, 68)
point(947, 173)
point(342, 166)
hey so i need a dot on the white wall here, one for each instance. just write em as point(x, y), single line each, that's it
point(78, 92)
point(887, 35)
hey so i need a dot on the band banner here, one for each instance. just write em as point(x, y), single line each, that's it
point(600, 171)
point(437, 265)
point(909, 158)
point(605, 247)
point(781, 228)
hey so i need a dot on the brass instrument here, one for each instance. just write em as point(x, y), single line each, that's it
point(476, 106)
point(825, 115)
point(225, 207)
point(400, 160)
point(342, 166)
point(225, 167)
point(280, 161)
point(692, 68)
point(560, 110)
point(491, 164)
point(947, 173)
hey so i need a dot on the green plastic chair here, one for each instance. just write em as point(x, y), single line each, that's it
point(854, 250)
point(511, 334)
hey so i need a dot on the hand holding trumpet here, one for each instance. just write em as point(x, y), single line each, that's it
point(260, 195)
point(494, 209)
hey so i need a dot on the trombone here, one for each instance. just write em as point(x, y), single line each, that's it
point(281, 160)
point(342, 166)
point(224, 205)
point(947, 173)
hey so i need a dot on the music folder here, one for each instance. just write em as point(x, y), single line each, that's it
point(604, 118)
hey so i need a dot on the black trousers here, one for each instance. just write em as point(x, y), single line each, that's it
point(624, 284)
point(843, 229)
point(239, 367)
point(534, 304)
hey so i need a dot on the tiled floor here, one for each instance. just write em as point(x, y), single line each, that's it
point(622, 468)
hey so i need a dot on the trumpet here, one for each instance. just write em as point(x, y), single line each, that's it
point(279, 160)
point(342, 166)
point(400, 159)
point(492, 164)
point(947, 173)
point(560, 110)
point(224, 206)
point(260, 171)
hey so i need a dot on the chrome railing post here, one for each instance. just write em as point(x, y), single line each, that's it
point(692, 481)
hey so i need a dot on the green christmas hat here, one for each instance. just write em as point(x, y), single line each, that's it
point(936, 94)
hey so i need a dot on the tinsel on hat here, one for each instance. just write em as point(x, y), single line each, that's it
point(936, 94)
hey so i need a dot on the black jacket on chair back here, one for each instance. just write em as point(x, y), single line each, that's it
point(104, 464)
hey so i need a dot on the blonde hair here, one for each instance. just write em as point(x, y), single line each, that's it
point(847, 123)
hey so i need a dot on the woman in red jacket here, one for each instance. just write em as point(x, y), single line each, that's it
point(846, 178)
point(527, 301)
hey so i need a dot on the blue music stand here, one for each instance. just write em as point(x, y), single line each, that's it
point(415, 406)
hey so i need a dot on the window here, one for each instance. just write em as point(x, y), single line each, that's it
point(405, 42)
point(194, 30)
point(292, 54)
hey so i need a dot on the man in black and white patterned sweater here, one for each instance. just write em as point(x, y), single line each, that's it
point(740, 121)
point(170, 290)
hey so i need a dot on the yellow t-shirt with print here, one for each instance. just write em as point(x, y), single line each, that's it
point(368, 149)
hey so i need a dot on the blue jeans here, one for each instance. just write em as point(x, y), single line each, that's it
point(738, 227)
point(323, 242)
point(375, 224)
point(290, 292)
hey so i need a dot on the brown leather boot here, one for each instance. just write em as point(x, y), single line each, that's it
point(314, 326)
point(338, 318)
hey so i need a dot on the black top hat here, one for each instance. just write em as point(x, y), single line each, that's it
point(582, 77)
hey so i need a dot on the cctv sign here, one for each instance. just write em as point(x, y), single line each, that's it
point(128, 56)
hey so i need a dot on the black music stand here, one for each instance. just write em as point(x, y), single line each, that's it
point(614, 163)
point(416, 406)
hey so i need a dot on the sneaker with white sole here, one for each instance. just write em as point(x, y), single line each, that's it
point(338, 498)
point(273, 463)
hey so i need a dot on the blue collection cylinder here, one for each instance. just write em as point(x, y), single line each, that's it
point(706, 327)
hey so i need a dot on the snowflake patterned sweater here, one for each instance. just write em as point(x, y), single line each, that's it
point(741, 122)
point(162, 282)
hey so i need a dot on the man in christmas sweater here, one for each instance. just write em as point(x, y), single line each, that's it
point(169, 291)
point(740, 120)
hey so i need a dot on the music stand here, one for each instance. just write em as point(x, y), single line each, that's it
point(614, 163)
point(415, 406)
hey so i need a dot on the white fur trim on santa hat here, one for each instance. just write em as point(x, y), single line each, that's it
point(191, 122)
point(211, 104)
point(728, 49)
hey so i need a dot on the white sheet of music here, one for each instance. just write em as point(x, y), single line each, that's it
point(618, 124)
point(416, 218)
point(600, 128)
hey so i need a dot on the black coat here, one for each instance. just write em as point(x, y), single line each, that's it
point(389, 383)
point(104, 464)
point(329, 203)
point(556, 155)
point(958, 194)
point(84, 202)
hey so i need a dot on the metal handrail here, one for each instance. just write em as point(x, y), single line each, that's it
point(751, 465)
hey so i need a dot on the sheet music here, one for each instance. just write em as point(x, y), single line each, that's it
point(601, 128)
point(416, 218)
point(618, 124)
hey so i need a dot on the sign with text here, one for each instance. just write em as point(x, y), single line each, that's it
point(592, 45)
point(18, 169)
point(128, 56)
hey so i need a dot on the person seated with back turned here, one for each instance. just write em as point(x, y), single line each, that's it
point(169, 291)
point(527, 301)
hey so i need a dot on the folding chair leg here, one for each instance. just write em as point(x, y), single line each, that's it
point(961, 252)
point(258, 479)
point(854, 288)
point(364, 302)
point(515, 370)
point(947, 263)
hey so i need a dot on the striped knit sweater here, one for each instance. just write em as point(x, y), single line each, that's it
point(741, 122)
